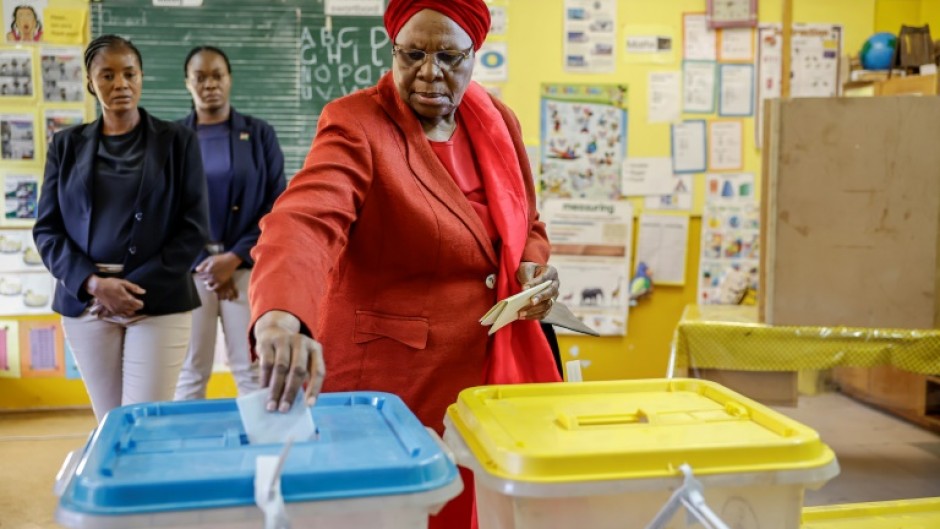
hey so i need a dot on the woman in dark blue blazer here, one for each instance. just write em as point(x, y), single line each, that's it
point(122, 215)
point(244, 168)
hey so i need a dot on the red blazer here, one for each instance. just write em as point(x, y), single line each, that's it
point(376, 250)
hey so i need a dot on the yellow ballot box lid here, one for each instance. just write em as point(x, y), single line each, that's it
point(633, 429)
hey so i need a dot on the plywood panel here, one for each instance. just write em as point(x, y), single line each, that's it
point(853, 212)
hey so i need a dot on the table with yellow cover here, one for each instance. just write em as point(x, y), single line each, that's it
point(730, 337)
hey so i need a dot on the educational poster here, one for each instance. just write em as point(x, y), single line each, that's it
point(583, 139)
point(649, 45)
point(499, 17)
point(43, 349)
point(726, 145)
point(736, 90)
point(698, 87)
point(689, 147)
point(23, 21)
point(57, 119)
point(17, 137)
point(18, 252)
point(680, 199)
point(25, 293)
point(662, 243)
point(21, 198)
point(492, 64)
point(16, 73)
point(664, 97)
point(10, 349)
point(736, 45)
point(62, 75)
point(590, 36)
point(647, 176)
point(591, 243)
point(699, 42)
point(728, 270)
point(814, 69)
point(355, 8)
point(730, 188)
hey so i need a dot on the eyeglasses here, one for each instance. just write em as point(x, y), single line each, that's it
point(446, 59)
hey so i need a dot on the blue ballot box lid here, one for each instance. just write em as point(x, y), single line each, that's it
point(172, 456)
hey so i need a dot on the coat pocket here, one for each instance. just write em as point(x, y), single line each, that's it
point(408, 330)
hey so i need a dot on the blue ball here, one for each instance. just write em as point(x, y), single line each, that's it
point(878, 51)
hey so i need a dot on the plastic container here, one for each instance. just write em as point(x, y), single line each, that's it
point(902, 514)
point(606, 455)
point(189, 465)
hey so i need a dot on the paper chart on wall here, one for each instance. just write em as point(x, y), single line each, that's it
point(647, 176)
point(680, 199)
point(729, 188)
point(736, 45)
point(729, 264)
point(591, 243)
point(590, 36)
point(698, 87)
point(725, 145)
point(18, 252)
point(499, 19)
point(736, 92)
point(21, 198)
point(649, 45)
point(689, 147)
point(62, 77)
point(16, 74)
point(57, 119)
point(699, 41)
point(583, 140)
point(491, 63)
point(663, 97)
point(25, 293)
point(17, 137)
point(662, 242)
point(814, 71)
point(43, 347)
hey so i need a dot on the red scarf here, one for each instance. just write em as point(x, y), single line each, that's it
point(519, 352)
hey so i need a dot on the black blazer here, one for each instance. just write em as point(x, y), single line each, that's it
point(170, 217)
point(258, 179)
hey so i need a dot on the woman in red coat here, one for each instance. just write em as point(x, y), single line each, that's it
point(414, 213)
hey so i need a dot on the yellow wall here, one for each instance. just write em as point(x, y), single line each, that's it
point(535, 57)
point(891, 14)
point(929, 14)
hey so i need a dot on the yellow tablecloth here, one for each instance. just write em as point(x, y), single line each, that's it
point(729, 337)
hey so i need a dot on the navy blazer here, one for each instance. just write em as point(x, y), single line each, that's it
point(257, 180)
point(171, 217)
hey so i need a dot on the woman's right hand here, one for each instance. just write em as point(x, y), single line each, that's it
point(116, 296)
point(288, 358)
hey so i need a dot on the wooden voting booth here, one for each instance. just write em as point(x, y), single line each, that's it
point(851, 228)
point(288, 58)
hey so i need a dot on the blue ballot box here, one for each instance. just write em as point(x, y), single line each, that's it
point(189, 464)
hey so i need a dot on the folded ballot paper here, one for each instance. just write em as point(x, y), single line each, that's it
point(507, 310)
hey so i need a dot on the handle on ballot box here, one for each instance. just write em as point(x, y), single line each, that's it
point(66, 471)
point(689, 495)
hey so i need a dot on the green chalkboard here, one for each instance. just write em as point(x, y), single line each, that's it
point(288, 59)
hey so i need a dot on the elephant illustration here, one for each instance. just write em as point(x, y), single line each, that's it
point(592, 296)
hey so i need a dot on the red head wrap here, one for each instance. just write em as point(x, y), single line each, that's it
point(471, 15)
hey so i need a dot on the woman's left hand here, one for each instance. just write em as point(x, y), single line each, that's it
point(216, 270)
point(531, 274)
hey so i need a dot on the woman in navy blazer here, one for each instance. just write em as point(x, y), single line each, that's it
point(122, 215)
point(244, 168)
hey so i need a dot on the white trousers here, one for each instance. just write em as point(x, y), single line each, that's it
point(127, 364)
point(235, 316)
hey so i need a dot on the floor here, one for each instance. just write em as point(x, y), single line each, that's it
point(882, 458)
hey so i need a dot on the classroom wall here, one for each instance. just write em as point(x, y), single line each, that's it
point(535, 51)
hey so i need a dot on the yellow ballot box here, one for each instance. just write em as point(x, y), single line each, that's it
point(607, 455)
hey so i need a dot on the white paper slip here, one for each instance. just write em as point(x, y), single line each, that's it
point(506, 311)
point(265, 427)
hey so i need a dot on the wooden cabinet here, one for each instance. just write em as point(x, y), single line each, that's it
point(908, 395)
